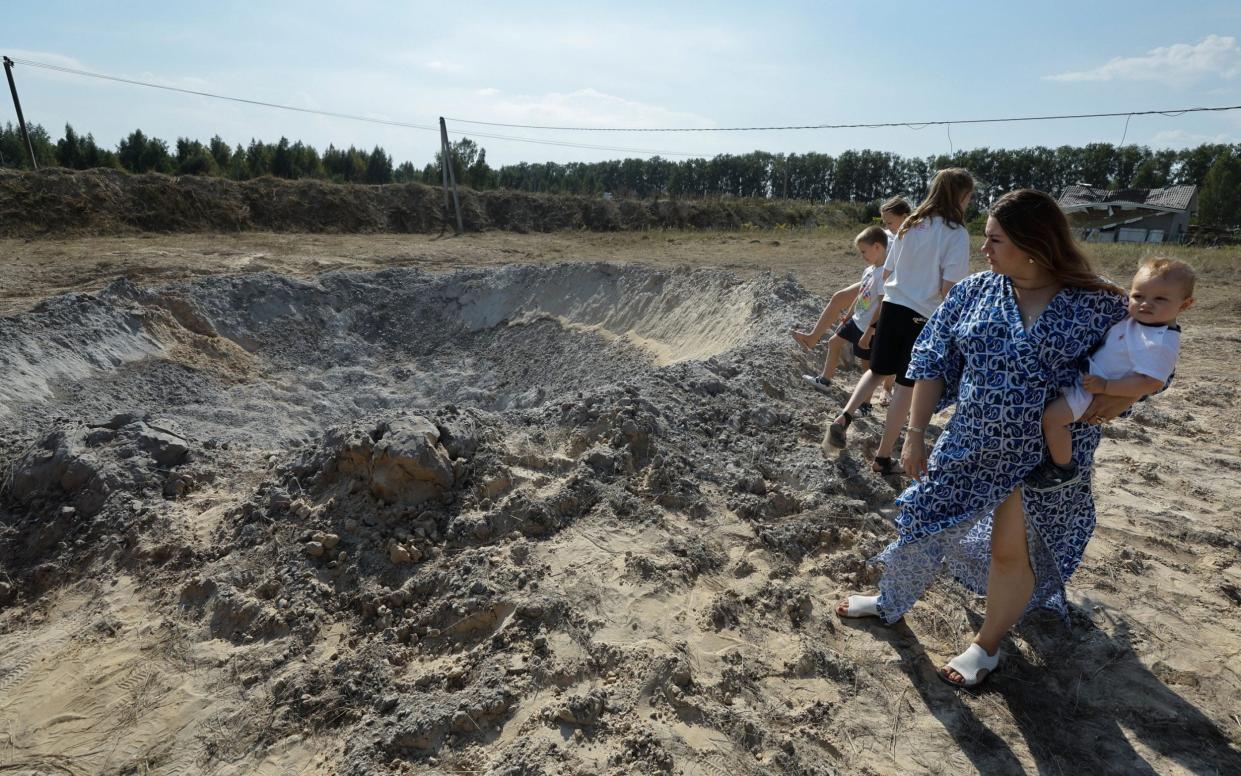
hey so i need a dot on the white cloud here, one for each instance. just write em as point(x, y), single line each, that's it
point(487, 92)
point(1181, 63)
point(1179, 138)
point(589, 108)
point(439, 66)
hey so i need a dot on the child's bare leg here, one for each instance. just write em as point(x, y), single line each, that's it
point(808, 339)
point(1056, 419)
point(834, 346)
point(864, 365)
point(865, 387)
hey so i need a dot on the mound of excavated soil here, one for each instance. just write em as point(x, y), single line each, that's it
point(55, 202)
point(569, 519)
point(456, 475)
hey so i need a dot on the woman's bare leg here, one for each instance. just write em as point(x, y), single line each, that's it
point(1056, 419)
point(898, 413)
point(1010, 582)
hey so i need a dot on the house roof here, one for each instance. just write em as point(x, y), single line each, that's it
point(1169, 198)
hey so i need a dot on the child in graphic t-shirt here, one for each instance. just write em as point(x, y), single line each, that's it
point(862, 299)
point(1137, 357)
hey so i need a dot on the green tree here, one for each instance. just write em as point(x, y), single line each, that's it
point(406, 173)
point(220, 152)
point(282, 159)
point(258, 159)
point(1219, 203)
point(44, 148)
point(478, 175)
point(465, 155)
point(237, 168)
point(69, 151)
point(1193, 164)
point(378, 167)
point(193, 158)
point(139, 153)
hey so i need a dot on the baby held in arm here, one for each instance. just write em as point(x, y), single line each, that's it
point(1136, 359)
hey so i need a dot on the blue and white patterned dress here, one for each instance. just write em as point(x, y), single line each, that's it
point(1000, 376)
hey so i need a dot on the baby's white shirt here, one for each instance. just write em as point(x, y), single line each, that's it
point(1133, 348)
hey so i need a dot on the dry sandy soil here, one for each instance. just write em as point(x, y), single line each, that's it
point(401, 507)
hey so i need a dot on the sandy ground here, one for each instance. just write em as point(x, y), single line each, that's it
point(112, 676)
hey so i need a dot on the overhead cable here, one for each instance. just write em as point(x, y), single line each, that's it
point(873, 125)
point(914, 125)
point(334, 114)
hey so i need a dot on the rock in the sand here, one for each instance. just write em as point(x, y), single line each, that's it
point(583, 710)
point(164, 448)
point(328, 540)
point(398, 553)
point(119, 421)
point(402, 461)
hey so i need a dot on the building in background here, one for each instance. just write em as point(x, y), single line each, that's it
point(1130, 215)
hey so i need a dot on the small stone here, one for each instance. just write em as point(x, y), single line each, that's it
point(314, 549)
point(120, 421)
point(398, 553)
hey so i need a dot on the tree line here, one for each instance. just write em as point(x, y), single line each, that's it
point(857, 176)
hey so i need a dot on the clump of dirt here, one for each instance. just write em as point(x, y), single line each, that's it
point(58, 202)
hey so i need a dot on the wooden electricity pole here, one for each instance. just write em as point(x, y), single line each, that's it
point(450, 177)
point(21, 120)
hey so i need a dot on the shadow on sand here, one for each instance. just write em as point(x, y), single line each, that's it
point(1079, 710)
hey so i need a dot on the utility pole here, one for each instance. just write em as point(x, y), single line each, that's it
point(21, 120)
point(450, 177)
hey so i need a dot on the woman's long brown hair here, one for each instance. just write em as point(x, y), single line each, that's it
point(1038, 227)
point(948, 187)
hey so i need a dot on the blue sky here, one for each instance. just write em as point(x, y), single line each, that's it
point(631, 64)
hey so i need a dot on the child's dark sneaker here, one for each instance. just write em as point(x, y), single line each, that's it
point(1050, 475)
point(836, 432)
point(865, 409)
point(819, 382)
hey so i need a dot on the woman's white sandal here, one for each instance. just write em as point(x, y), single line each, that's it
point(860, 606)
point(974, 665)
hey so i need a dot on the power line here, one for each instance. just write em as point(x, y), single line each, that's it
point(914, 125)
point(165, 87)
point(334, 114)
point(875, 125)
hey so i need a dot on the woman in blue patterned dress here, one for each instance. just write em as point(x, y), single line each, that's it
point(1001, 346)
